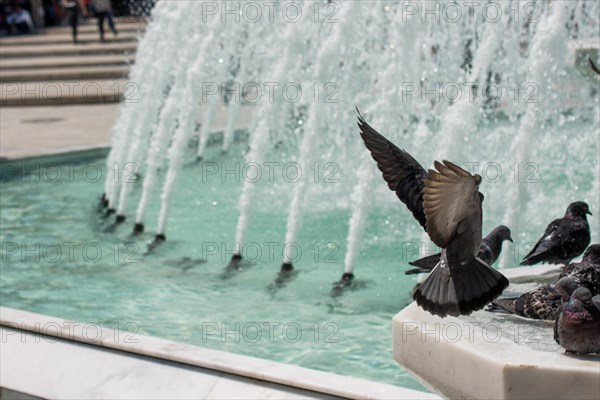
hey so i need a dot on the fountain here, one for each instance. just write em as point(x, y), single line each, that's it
point(495, 89)
point(455, 78)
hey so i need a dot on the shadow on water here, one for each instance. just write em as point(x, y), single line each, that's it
point(347, 283)
point(284, 277)
point(185, 263)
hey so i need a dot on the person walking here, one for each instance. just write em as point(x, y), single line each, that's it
point(102, 9)
point(73, 9)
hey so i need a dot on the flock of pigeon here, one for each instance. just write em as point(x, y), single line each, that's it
point(448, 205)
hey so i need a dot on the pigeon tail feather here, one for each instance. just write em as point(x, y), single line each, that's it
point(506, 306)
point(461, 291)
point(535, 256)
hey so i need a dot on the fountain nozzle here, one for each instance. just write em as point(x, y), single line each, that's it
point(138, 228)
point(158, 239)
point(286, 267)
point(103, 201)
point(345, 282)
point(347, 277)
point(120, 219)
point(233, 267)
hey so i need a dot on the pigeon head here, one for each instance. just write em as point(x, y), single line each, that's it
point(566, 285)
point(581, 307)
point(578, 209)
point(592, 254)
point(581, 296)
point(503, 233)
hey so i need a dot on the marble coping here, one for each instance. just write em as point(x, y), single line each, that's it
point(493, 356)
point(15, 321)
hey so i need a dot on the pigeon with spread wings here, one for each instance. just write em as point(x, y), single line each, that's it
point(447, 204)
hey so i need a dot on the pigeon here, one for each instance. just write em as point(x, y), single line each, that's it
point(577, 325)
point(586, 272)
point(594, 67)
point(564, 239)
point(489, 251)
point(540, 303)
point(447, 203)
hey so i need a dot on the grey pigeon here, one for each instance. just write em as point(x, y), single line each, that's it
point(540, 303)
point(586, 272)
point(577, 325)
point(447, 204)
point(564, 239)
point(489, 251)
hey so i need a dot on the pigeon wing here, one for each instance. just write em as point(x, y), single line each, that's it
point(548, 236)
point(400, 170)
point(542, 303)
point(450, 196)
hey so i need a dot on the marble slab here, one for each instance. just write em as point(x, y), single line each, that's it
point(492, 356)
point(67, 359)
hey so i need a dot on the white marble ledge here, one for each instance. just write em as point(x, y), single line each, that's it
point(526, 273)
point(491, 356)
point(218, 361)
point(51, 368)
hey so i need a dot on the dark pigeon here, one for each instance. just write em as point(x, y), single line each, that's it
point(586, 272)
point(447, 204)
point(577, 325)
point(540, 303)
point(489, 251)
point(594, 67)
point(564, 239)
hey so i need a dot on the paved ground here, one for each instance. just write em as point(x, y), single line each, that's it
point(35, 131)
point(47, 130)
point(72, 92)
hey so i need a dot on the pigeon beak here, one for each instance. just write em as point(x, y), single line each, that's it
point(510, 239)
point(588, 212)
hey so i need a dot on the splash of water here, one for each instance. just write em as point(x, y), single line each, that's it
point(383, 63)
point(546, 58)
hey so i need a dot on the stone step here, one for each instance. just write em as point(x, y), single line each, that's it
point(90, 26)
point(69, 73)
point(67, 92)
point(82, 38)
point(7, 64)
point(67, 50)
point(62, 36)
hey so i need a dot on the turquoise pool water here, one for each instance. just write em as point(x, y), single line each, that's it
point(60, 257)
point(68, 263)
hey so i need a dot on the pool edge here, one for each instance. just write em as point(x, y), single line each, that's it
point(230, 364)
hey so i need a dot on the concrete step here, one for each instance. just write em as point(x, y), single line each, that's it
point(67, 92)
point(7, 64)
point(90, 26)
point(86, 33)
point(83, 38)
point(70, 49)
point(69, 73)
